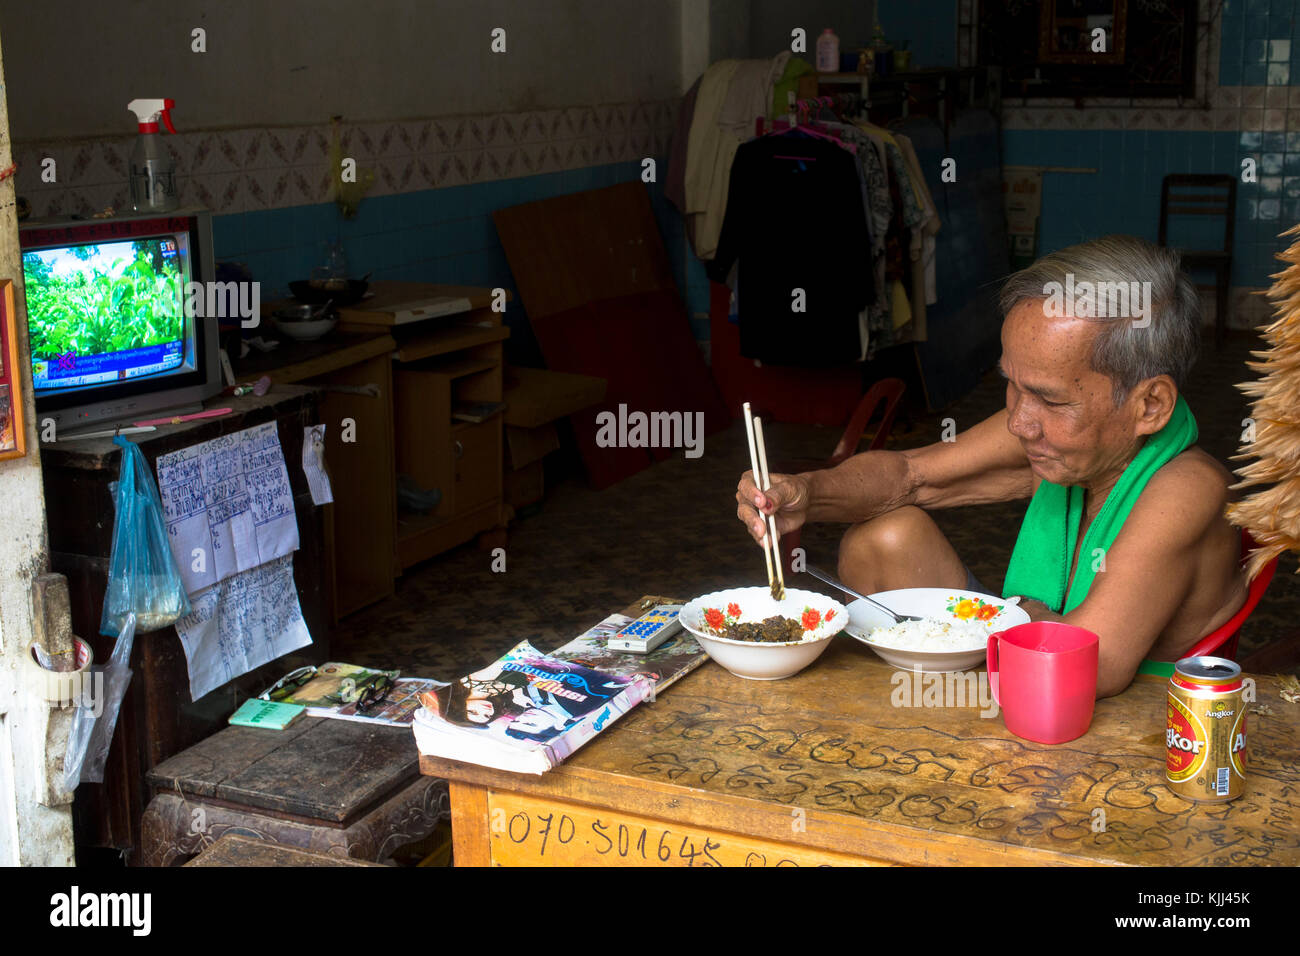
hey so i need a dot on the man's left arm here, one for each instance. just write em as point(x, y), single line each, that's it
point(1148, 572)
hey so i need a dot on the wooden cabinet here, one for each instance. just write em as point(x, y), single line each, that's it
point(439, 364)
point(476, 455)
point(404, 425)
point(157, 718)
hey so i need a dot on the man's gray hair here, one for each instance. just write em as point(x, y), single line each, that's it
point(1125, 352)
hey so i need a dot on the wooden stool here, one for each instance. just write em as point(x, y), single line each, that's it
point(338, 787)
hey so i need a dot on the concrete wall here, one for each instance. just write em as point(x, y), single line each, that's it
point(75, 64)
point(772, 20)
point(35, 828)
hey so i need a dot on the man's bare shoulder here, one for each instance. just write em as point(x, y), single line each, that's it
point(1193, 485)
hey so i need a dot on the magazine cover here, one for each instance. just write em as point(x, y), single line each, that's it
point(526, 711)
point(665, 665)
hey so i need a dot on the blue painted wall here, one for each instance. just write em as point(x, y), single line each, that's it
point(1123, 196)
point(1260, 43)
point(433, 235)
point(928, 27)
point(1260, 46)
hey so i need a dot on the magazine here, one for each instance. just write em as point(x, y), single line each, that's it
point(330, 694)
point(665, 665)
point(526, 712)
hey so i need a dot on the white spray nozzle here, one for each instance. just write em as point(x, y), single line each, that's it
point(148, 111)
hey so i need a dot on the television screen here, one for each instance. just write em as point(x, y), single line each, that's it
point(111, 311)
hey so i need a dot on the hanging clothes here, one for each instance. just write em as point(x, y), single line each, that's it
point(923, 245)
point(703, 187)
point(675, 179)
point(732, 94)
point(788, 83)
point(919, 222)
point(876, 326)
point(799, 245)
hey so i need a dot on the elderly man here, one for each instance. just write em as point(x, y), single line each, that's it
point(1126, 534)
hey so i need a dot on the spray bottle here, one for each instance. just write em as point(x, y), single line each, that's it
point(153, 177)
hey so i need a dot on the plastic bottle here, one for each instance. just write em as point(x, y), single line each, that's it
point(828, 52)
point(153, 176)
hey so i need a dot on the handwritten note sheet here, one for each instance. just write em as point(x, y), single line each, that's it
point(241, 623)
point(227, 505)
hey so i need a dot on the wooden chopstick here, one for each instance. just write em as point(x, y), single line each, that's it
point(778, 592)
point(753, 465)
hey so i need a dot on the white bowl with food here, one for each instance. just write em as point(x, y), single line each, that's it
point(952, 636)
point(810, 621)
point(305, 323)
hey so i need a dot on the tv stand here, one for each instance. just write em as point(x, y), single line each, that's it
point(113, 424)
point(177, 411)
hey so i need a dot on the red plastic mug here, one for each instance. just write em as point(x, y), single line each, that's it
point(1044, 677)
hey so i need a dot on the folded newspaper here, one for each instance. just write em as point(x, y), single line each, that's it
point(526, 712)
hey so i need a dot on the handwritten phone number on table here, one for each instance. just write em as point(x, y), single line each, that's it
point(619, 842)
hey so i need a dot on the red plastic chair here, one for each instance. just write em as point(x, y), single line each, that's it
point(888, 391)
point(1223, 642)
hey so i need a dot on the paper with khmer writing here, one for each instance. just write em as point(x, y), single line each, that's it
point(227, 505)
point(241, 623)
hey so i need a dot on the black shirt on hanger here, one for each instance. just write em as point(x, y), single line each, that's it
point(795, 220)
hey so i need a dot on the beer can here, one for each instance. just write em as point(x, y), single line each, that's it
point(1205, 734)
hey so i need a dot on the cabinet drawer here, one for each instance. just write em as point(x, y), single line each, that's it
point(476, 451)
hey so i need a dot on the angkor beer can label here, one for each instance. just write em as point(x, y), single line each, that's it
point(1205, 733)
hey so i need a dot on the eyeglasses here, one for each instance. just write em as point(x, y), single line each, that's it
point(374, 693)
point(289, 683)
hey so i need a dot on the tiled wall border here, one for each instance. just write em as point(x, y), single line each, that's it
point(248, 170)
point(1231, 108)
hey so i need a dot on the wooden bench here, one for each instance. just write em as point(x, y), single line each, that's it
point(341, 788)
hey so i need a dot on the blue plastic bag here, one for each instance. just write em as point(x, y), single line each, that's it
point(142, 575)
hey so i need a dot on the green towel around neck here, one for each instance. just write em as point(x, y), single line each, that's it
point(1040, 563)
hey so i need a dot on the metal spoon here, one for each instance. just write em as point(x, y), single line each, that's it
point(836, 583)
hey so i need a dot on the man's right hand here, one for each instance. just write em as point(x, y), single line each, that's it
point(787, 499)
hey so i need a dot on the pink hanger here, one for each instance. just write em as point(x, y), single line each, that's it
point(780, 127)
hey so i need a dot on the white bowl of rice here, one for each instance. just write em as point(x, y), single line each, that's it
point(952, 636)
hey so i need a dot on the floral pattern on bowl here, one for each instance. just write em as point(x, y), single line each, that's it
point(967, 608)
point(716, 621)
point(708, 615)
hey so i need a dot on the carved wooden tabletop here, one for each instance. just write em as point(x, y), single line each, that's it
point(834, 759)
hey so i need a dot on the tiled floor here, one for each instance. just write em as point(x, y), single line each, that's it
point(672, 530)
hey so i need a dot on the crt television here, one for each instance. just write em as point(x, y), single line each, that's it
point(106, 321)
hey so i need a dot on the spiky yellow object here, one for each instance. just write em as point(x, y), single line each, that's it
point(1272, 515)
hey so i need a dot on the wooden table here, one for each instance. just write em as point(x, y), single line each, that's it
point(823, 768)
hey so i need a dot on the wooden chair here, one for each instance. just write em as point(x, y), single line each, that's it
point(1214, 195)
point(887, 392)
point(1223, 642)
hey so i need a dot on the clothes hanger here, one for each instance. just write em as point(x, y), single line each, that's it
point(810, 129)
